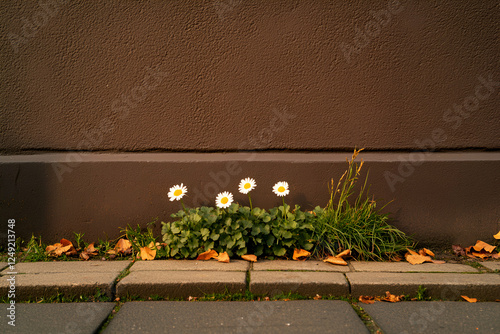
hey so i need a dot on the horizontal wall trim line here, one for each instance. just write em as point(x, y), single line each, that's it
point(246, 157)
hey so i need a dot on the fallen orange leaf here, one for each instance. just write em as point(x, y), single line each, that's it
point(481, 255)
point(336, 260)
point(495, 256)
point(147, 253)
point(497, 236)
point(417, 259)
point(430, 253)
point(209, 254)
point(438, 261)
point(123, 246)
point(300, 254)
point(366, 299)
point(223, 257)
point(389, 297)
point(412, 252)
point(470, 300)
point(249, 257)
point(347, 252)
point(90, 249)
point(84, 255)
point(480, 245)
point(317, 297)
point(58, 249)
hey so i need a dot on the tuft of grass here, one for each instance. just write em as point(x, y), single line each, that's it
point(35, 251)
point(356, 225)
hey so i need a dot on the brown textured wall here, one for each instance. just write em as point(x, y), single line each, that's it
point(223, 74)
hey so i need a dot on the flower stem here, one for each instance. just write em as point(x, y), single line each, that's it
point(184, 207)
point(284, 208)
point(251, 207)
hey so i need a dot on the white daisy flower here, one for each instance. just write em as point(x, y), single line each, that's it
point(281, 188)
point(224, 200)
point(177, 192)
point(247, 185)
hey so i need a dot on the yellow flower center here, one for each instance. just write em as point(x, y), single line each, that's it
point(281, 189)
point(177, 192)
point(224, 200)
point(247, 186)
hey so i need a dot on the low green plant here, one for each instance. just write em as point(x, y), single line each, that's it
point(358, 225)
point(238, 230)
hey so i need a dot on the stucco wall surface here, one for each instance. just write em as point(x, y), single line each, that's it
point(241, 75)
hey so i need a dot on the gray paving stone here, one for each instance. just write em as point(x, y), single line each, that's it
point(190, 265)
point(306, 283)
point(70, 267)
point(401, 267)
point(436, 317)
point(299, 316)
point(446, 286)
point(493, 265)
point(180, 284)
point(297, 266)
point(56, 318)
point(30, 286)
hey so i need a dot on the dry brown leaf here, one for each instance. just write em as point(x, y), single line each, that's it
point(470, 300)
point(438, 261)
point(317, 297)
point(481, 255)
point(209, 254)
point(417, 259)
point(223, 257)
point(366, 299)
point(58, 249)
point(458, 250)
point(148, 253)
point(123, 246)
point(347, 252)
point(84, 255)
point(495, 256)
point(300, 254)
point(428, 252)
point(412, 252)
point(90, 249)
point(389, 297)
point(336, 260)
point(249, 257)
point(396, 258)
point(480, 245)
point(497, 236)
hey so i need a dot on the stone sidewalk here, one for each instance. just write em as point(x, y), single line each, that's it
point(176, 279)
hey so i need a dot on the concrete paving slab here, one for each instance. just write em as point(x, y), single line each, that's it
point(306, 283)
point(493, 265)
point(298, 266)
point(30, 286)
point(57, 318)
point(446, 286)
point(180, 284)
point(3, 265)
point(299, 316)
point(401, 267)
point(71, 267)
point(435, 317)
point(190, 265)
